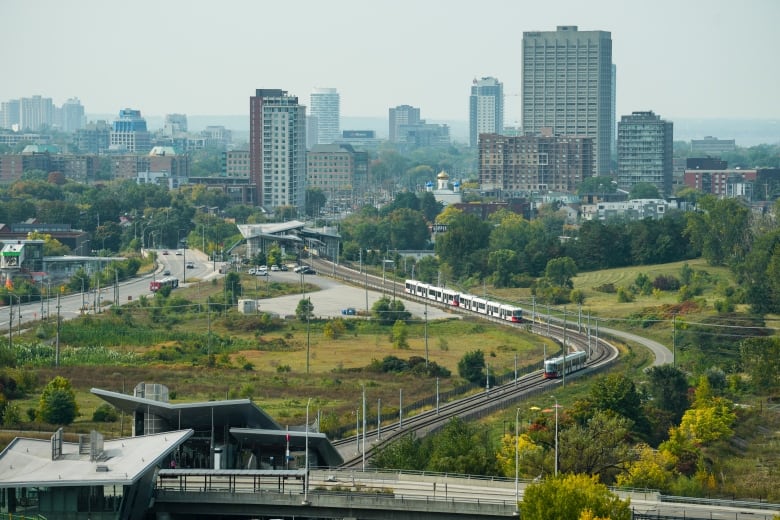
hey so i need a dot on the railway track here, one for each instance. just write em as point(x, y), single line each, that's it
point(601, 354)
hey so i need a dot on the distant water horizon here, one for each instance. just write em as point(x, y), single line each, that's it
point(745, 132)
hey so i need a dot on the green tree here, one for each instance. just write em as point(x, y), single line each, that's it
point(305, 309)
point(668, 387)
point(617, 393)
point(406, 453)
point(560, 271)
point(57, 404)
point(388, 311)
point(400, 335)
point(644, 190)
point(760, 358)
point(429, 206)
point(471, 367)
point(503, 262)
point(463, 448)
point(568, 497)
point(599, 447)
point(464, 245)
point(721, 231)
point(597, 186)
point(315, 201)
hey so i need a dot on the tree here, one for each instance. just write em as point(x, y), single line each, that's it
point(760, 358)
point(464, 245)
point(315, 201)
point(503, 262)
point(406, 453)
point(305, 309)
point(430, 207)
point(668, 386)
point(568, 497)
point(57, 404)
point(721, 231)
point(400, 335)
point(597, 186)
point(643, 190)
point(599, 447)
point(560, 271)
point(471, 367)
point(618, 394)
point(654, 469)
point(463, 448)
point(389, 311)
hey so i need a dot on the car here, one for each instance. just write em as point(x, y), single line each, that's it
point(263, 268)
point(167, 272)
point(283, 268)
point(178, 253)
point(274, 267)
point(308, 270)
point(300, 268)
point(261, 272)
point(252, 270)
point(349, 311)
point(165, 252)
point(190, 265)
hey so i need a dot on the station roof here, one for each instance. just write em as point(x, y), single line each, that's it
point(198, 415)
point(29, 462)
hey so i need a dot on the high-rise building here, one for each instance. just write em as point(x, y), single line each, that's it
point(567, 86)
point(9, 114)
point(644, 150)
point(517, 165)
point(339, 171)
point(277, 148)
point(129, 133)
point(72, 115)
point(486, 109)
point(402, 115)
point(175, 124)
point(325, 113)
point(35, 113)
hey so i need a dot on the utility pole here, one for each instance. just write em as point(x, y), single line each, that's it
point(425, 313)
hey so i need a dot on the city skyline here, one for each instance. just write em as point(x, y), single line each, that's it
point(682, 59)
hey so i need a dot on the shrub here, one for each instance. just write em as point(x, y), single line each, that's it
point(624, 295)
point(666, 283)
point(105, 413)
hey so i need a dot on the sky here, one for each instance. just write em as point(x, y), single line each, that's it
point(678, 58)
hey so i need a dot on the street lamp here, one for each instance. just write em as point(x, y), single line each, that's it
point(306, 475)
point(556, 434)
point(517, 457)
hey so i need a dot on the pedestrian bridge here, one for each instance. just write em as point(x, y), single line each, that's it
point(180, 493)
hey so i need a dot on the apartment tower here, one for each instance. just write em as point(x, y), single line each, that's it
point(486, 109)
point(277, 148)
point(325, 112)
point(402, 115)
point(644, 147)
point(568, 86)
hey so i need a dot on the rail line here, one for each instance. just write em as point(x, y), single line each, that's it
point(601, 354)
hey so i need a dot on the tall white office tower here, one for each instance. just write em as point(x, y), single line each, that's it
point(325, 113)
point(486, 109)
point(567, 86)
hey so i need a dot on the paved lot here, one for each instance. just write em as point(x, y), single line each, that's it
point(334, 296)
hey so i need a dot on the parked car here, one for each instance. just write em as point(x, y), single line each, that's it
point(274, 267)
point(167, 272)
point(252, 270)
point(308, 270)
point(190, 265)
point(349, 311)
point(261, 272)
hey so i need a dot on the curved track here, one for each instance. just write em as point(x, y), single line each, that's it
point(602, 353)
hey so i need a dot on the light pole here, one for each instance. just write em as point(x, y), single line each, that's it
point(556, 434)
point(306, 475)
point(517, 457)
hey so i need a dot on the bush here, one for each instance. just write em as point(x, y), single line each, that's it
point(608, 288)
point(105, 413)
point(666, 283)
point(624, 295)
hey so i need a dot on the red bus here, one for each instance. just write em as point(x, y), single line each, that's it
point(169, 281)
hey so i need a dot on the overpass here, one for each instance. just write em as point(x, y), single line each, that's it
point(394, 495)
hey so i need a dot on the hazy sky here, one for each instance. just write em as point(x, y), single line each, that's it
point(679, 58)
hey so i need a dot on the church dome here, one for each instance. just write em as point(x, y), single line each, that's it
point(442, 175)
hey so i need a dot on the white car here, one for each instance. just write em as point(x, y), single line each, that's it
point(252, 270)
point(274, 267)
point(261, 272)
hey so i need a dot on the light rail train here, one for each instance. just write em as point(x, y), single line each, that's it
point(465, 301)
